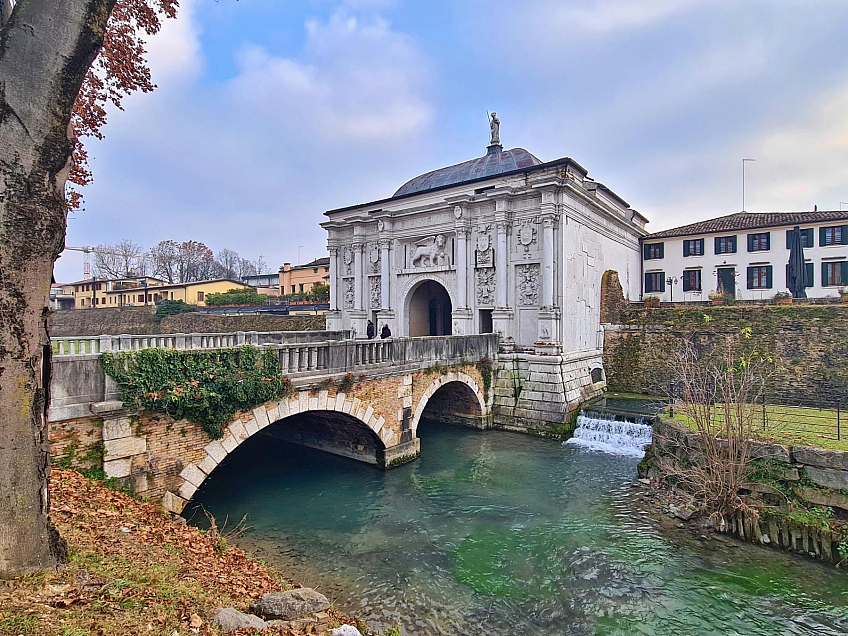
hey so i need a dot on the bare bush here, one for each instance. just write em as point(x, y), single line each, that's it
point(717, 392)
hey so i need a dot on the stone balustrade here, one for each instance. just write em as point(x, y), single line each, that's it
point(76, 345)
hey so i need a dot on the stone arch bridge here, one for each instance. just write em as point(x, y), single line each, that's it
point(374, 418)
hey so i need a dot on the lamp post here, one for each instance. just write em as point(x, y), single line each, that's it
point(743, 182)
point(671, 282)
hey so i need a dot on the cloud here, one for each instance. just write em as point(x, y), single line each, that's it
point(174, 54)
point(602, 17)
point(355, 80)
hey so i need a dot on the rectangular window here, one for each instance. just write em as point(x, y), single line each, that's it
point(725, 245)
point(294, 289)
point(809, 267)
point(806, 238)
point(149, 297)
point(835, 274)
point(760, 277)
point(139, 298)
point(654, 282)
point(653, 251)
point(837, 235)
point(758, 242)
point(200, 296)
point(693, 247)
point(692, 280)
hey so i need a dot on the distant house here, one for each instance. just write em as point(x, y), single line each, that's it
point(302, 278)
point(61, 297)
point(92, 293)
point(268, 284)
point(745, 255)
point(193, 293)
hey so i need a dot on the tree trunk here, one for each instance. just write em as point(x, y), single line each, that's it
point(46, 47)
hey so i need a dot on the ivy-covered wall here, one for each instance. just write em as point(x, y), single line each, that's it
point(810, 342)
point(142, 320)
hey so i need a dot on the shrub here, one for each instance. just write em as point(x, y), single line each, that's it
point(174, 307)
point(242, 297)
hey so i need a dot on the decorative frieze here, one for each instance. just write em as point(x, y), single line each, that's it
point(374, 292)
point(348, 293)
point(527, 279)
point(485, 286)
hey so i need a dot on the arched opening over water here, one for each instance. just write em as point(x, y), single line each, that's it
point(429, 310)
point(331, 432)
point(458, 402)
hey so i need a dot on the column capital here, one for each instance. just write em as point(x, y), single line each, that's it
point(384, 243)
point(502, 226)
point(462, 231)
point(333, 249)
point(357, 247)
point(549, 219)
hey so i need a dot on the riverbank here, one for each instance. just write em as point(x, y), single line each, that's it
point(134, 570)
point(796, 496)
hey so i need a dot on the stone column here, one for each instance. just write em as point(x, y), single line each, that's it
point(502, 315)
point(385, 302)
point(502, 263)
point(462, 267)
point(358, 276)
point(548, 223)
point(334, 278)
point(463, 317)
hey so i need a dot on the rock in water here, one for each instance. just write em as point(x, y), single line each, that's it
point(291, 604)
point(345, 630)
point(229, 619)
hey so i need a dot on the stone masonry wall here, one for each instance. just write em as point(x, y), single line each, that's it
point(809, 341)
point(814, 477)
point(142, 320)
point(539, 394)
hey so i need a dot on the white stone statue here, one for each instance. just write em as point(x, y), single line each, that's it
point(495, 125)
point(431, 250)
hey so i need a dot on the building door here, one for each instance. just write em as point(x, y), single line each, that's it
point(727, 280)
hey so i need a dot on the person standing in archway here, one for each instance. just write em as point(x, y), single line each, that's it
point(386, 332)
point(369, 330)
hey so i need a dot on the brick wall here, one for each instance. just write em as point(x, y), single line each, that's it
point(809, 341)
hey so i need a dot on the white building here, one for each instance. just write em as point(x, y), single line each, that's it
point(745, 255)
point(504, 243)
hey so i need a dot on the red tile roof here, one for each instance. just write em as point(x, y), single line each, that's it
point(751, 221)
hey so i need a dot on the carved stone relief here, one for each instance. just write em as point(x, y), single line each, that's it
point(485, 286)
point(527, 278)
point(525, 235)
point(347, 262)
point(348, 293)
point(430, 252)
point(485, 255)
point(374, 257)
point(374, 288)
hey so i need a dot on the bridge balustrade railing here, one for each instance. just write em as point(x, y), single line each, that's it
point(76, 345)
point(362, 355)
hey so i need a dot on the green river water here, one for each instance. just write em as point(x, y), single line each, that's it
point(499, 533)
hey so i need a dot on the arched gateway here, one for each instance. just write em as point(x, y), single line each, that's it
point(344, 425)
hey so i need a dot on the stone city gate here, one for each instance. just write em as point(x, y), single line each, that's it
point(388, 386)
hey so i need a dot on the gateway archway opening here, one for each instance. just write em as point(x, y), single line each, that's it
point(430, 310)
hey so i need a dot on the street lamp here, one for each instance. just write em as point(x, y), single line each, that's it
point(671, 282)
point(743, 182)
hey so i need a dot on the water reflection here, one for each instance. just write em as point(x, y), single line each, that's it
point(498, 533)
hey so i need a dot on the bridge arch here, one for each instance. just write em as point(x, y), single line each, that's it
point(461, 390)
point(345, 410)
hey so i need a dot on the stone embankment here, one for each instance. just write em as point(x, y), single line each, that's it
point(800, 491)
point(143, 320)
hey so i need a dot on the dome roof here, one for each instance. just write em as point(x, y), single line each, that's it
point(489, 165)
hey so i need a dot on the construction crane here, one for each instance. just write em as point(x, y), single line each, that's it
point(87, 250)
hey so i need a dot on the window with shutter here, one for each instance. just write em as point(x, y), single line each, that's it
point(758, 242)
point(835, 274)
point(832, 236)
point(725, 245)
point(760, 277)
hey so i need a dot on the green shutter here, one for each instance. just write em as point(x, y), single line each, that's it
point(822, 238)
point(769, 276)
point(845, 272)
point(645, 248)
point(845, 234)
point(810, 272)
point(662, 250)
point(788, 236)
point(662, 282)
point(750, 270)
point(825, 282)
point(750, 248)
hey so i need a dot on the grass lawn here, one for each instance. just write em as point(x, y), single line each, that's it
point(793, 425)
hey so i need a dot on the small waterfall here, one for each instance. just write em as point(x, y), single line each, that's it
point(610, 433)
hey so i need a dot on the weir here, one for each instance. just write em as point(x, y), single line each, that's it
point(613, 433)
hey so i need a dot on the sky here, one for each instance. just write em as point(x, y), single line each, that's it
point(270, 112)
